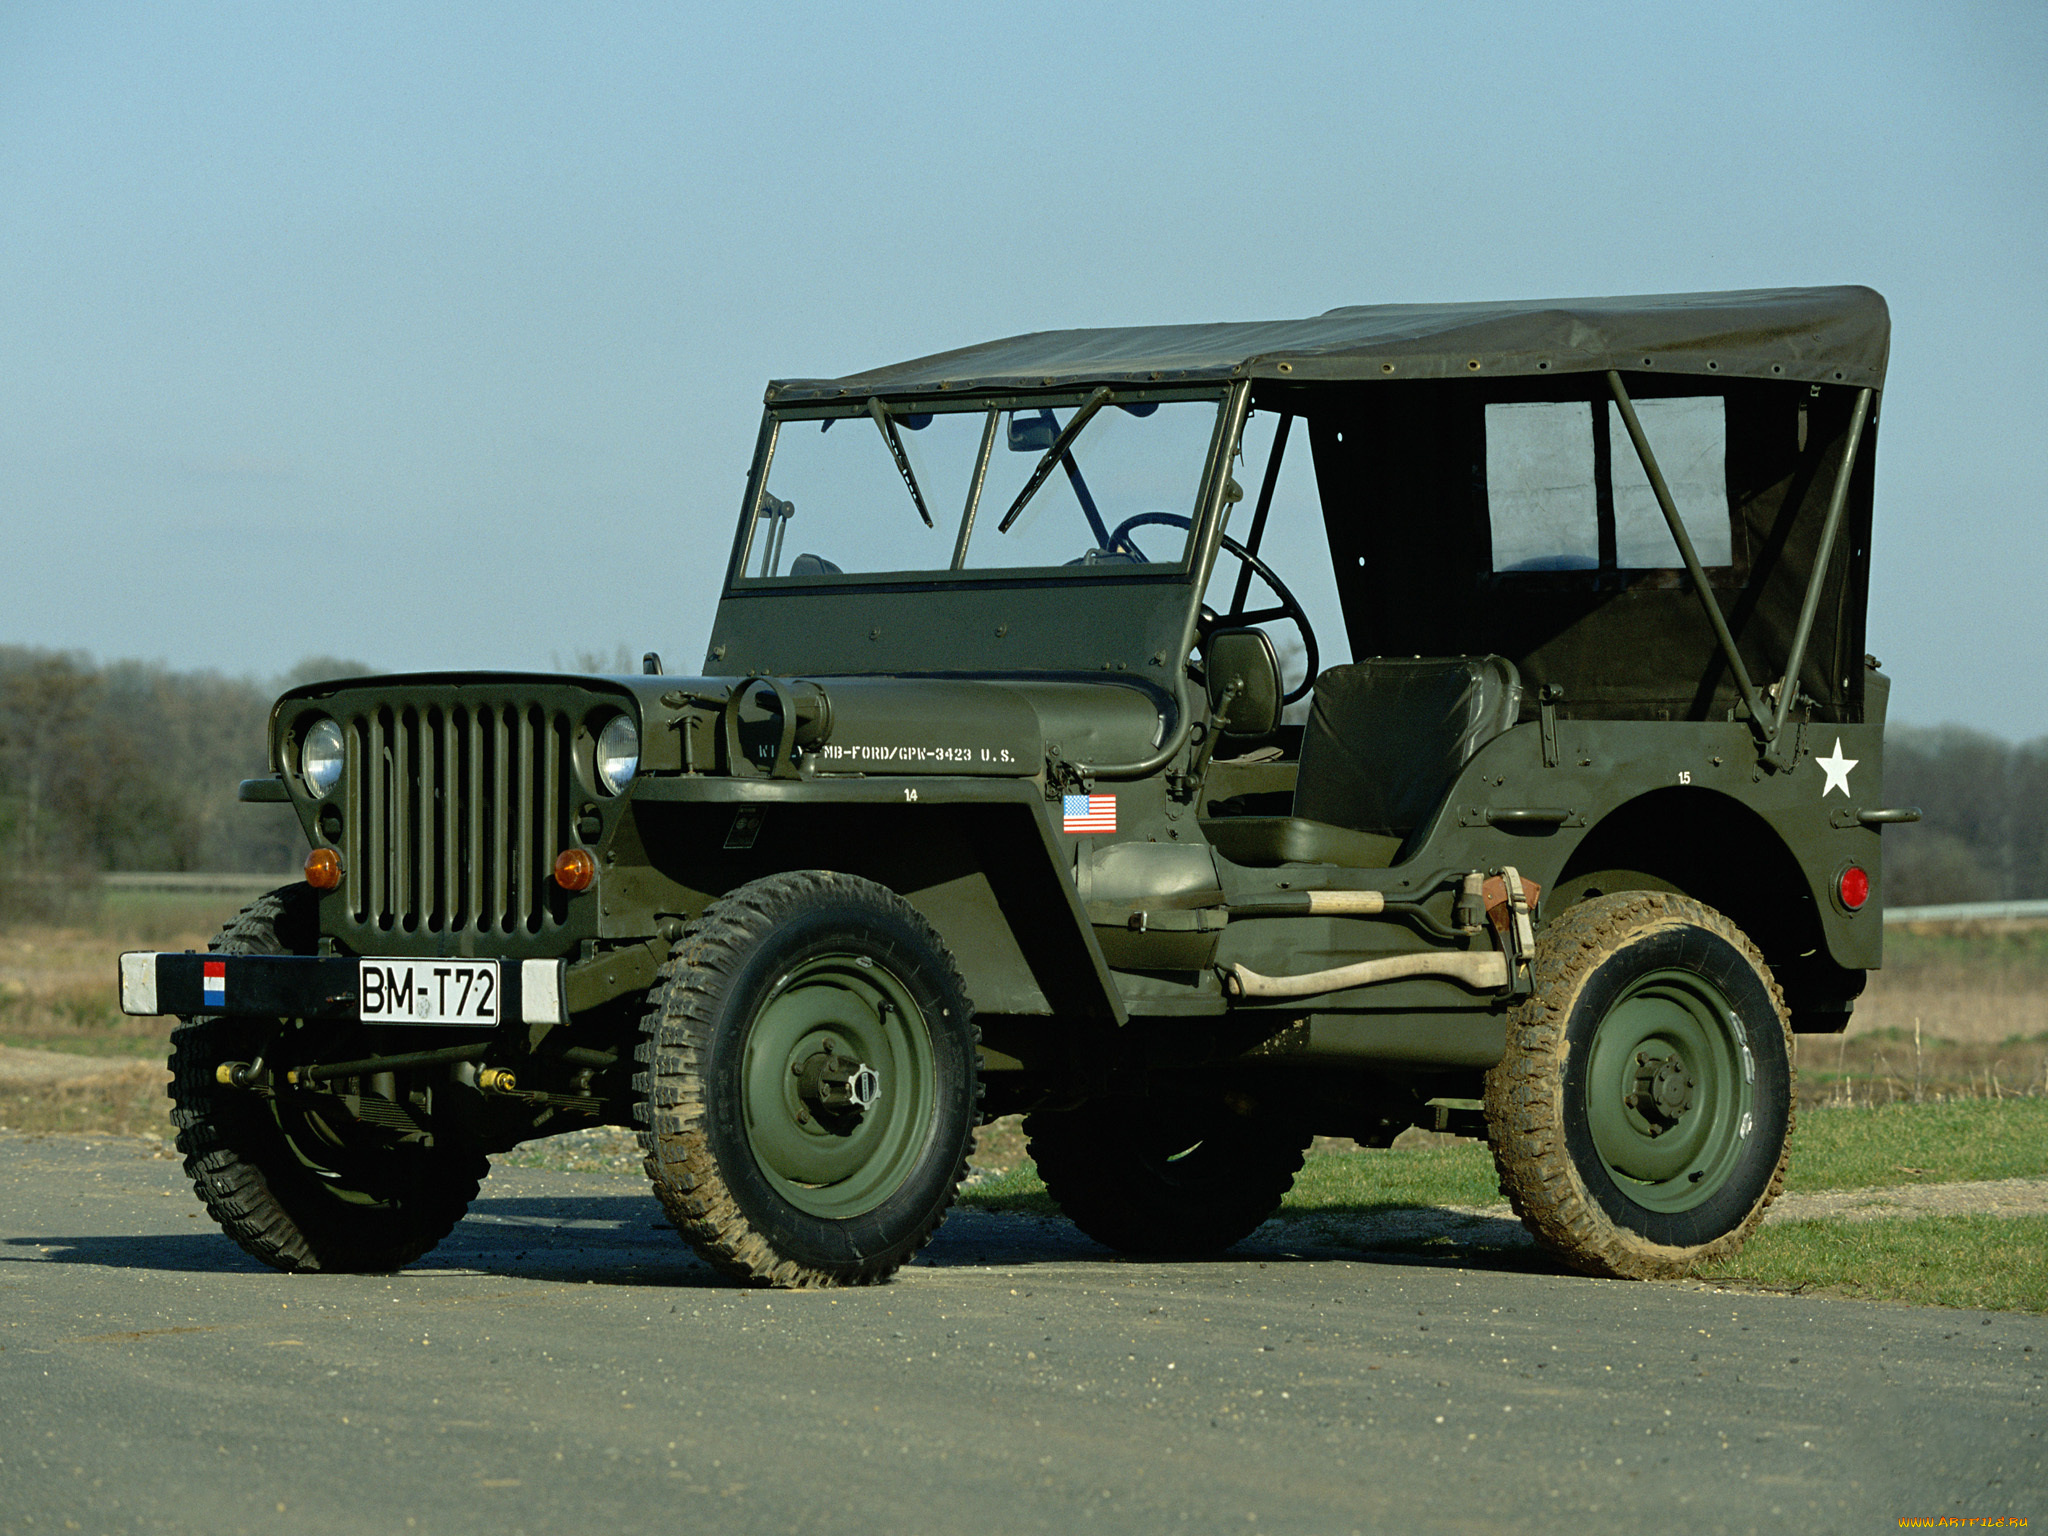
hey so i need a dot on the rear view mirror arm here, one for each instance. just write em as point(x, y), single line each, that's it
point(778, 512)
point(1764, 728)
point(1789, 689)
point(1081, 494)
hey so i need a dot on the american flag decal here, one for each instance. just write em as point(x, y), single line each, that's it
point(1089, 813)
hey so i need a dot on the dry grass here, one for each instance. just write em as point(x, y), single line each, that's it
point(59, 992)
point(59, 988)
point(1960, 1008)
point(1977, 984)
point(1892, 1066)
point(127, 1101)
point(1957, 1012)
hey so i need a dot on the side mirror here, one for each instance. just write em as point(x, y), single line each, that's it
point(1241, 663)
point(1032, 432)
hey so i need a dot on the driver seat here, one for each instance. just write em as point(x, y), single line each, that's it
point(1386, 738)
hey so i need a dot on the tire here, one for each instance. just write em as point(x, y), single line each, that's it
point(297, 1188)
point(1143, 1177)
point(768, 1011)
point(1642, 1114)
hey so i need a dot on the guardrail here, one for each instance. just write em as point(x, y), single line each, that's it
point(1969, 912)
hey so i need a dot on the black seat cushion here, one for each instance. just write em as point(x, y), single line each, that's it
point(1388, 734)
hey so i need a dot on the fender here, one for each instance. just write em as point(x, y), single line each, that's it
point(975, 856)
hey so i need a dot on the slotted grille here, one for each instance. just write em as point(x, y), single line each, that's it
point(454, 814)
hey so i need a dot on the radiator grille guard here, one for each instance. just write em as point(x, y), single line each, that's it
point(453, 814)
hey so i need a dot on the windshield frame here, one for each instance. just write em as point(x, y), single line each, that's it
point(977, 518)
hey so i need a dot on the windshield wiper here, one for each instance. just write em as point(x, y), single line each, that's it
point(887, 428)
point(1054, 455)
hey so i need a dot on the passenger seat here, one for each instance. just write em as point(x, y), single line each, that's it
point(1386, 737)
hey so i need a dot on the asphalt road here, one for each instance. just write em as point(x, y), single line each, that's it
point(562, 1363)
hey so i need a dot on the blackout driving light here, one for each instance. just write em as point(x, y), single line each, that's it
point(575, 869)
point(618, 754)
point(320, 757)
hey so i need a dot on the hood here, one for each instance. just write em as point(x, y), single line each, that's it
point(907, 725)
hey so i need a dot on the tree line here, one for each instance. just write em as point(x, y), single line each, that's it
point(1985, 804)
point(133, 766)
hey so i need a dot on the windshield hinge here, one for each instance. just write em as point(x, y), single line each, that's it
point(1061, 776)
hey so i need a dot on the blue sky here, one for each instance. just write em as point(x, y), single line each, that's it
point(435, 335)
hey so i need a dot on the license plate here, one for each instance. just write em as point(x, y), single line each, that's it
point(428, 991)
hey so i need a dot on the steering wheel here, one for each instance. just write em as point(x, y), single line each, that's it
point(1289, 607)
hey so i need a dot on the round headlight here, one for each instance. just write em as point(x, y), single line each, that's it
point(618, 754)
point(320, 757)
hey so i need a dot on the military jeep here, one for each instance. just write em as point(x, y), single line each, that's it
point(1012, 782)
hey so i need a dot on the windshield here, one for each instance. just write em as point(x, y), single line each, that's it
point(1093, 480)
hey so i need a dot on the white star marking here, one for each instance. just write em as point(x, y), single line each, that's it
point(1837, 769)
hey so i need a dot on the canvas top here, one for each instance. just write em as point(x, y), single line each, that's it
point(1817, 335)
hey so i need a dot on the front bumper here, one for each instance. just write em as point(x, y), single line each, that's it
point(311, 987)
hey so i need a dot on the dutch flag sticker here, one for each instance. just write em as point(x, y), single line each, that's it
point(213, 982)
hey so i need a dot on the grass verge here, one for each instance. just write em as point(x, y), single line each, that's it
point(1920, 1144)
point(1997, 1263)
point(1991, 1262)
point(1833, 1149)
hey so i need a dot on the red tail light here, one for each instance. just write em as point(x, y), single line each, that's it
point(1853, 888)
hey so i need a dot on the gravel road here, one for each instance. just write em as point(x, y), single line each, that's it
point(562, 1361)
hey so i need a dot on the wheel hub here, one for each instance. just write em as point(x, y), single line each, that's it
point(1661, 1091)
point(836, 1086)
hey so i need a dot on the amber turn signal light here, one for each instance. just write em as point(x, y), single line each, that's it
point(575, 869)
point(323, 869)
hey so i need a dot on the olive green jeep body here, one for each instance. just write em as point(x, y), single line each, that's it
point(987, 799)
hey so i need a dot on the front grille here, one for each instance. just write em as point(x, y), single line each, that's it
point(454, 814)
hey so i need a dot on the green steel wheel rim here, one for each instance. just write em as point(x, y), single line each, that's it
point(1670, 1090)
point(832, 1162)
